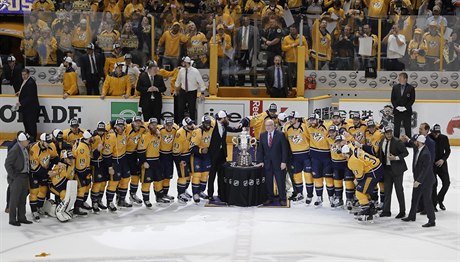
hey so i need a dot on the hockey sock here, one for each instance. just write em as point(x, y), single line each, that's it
point(298, 183)
point(196, 176)
point(308, 183)
point(338, 186)
point(166, 182)
point(329, 184)
point(362, 198)
point(181, 185)
point(319, 186)
point(349, 189)
point(203, 181)
point(145, 188)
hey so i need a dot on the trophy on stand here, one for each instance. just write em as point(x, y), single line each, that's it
point(244, 142)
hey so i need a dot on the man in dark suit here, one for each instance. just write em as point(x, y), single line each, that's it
point(17, 168)
point(277, 80)
point(272, 154)
point(440, 165)
point(244, 43)
point(28, 104)
point(423, 182)
point(402, 98)
point(151, 85)
point(392, 152)
point(218, 152)
point(92, 70)
point(12, 72)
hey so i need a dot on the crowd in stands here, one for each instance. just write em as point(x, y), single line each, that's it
point(249, 33)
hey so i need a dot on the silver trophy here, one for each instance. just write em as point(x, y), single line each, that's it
point(244, 142)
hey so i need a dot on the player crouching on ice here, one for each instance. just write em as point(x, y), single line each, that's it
point(368, 171)
point(63, 186)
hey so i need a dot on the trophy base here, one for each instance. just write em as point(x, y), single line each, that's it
point(244, 161)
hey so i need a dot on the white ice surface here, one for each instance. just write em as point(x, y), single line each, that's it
point(197, 233)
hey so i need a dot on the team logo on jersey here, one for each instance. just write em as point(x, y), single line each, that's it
point(82, 151)
point(136, 139)
point(45, 160)
point(324, 41)
point(296, 139)
point(155, 143)
point(377, 5)
point(206, 139)
point(432, 44)
point(359, 136)
point(318, 137)
point(123, 141)
point(334, 148)
point(168, 139)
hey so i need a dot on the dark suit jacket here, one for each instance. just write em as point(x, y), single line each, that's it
point(219, 143)
point(406, 100)
point(144, 83)
point(85, 66)
point(270, 78)
point(429, 142)
point(397, 148)
point(423, 169)
point(29, 97)
point(13, 75)
point(14, 162)
point(239, 37)
point(273, 156)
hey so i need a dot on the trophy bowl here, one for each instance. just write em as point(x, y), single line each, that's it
point(244, 142)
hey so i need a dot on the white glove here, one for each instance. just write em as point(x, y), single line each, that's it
point(401, 108)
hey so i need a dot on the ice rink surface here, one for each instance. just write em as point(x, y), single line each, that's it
point(198, 233)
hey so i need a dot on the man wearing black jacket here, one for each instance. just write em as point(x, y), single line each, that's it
point(218, 152)
point(440, 165)
point(402, 99)
point(392, 152)
point(422, 167)
point(12, 72)
point(28, 104)
point(151, 85)
point(92, 70)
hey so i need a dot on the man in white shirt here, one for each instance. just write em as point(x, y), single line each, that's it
point(396, 47)
point(188, 82)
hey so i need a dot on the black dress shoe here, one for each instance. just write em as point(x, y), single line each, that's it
point(408, 219)
point(283, 203)
point(25, 221)
point(16, 224)
point(383, 214)
point(435, 209)
point(429, 224)
point(423, 212)
point(400, 215)
point(441, 206)
point(211, 199)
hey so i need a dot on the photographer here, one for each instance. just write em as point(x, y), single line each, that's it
point(396, 46)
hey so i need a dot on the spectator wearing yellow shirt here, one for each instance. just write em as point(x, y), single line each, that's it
point(134, 6)
point(117, 83)
point(255, 8)
point(81, 36)
point(417, 50)
point(171, 41)
point(224, 19)
point(377, 9)
point(64, 40)
point(67, 71)
point(197, 46)
point(34, 23)
point(107, 37)
point(234, 10)
point(433, 41)
point(28, 48)
point(44, 9)
point(289, 47)
point(321, 48)
point(47, 47)
point(115, 57)
point(295, 6)
point(224, 44)
point(272, 9)
point(114, 7)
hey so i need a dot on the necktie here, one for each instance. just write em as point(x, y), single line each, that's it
point(386, 149)
point(244, 46)
point(402, 89)
point(186, 80)
point(93, 65)
point(270, 139)
point(278, 74)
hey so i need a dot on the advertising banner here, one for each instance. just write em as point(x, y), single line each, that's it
point(15, 6)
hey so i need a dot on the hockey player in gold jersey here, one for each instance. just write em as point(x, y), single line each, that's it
point(134, 131)
point(82, 153)
point(100, 173)
point(58, 141)
point(167, 134)
point(181, 155)
point(42, 156)
point(114, 157)
point(148, 150)
point(321, 159)
point(257, 121)
point(373, 138)
point(296, 133)
point(201, 160)
point(62, 172)
point(73, 133)
point(357, 129)
point(368, 171)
